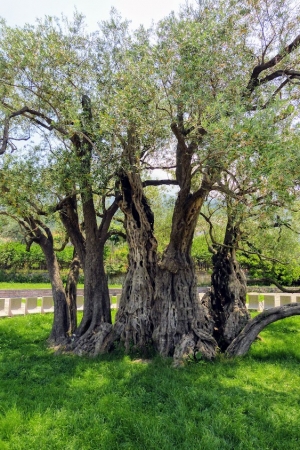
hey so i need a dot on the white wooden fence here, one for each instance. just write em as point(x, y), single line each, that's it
point(260, 302)
point(10, 307)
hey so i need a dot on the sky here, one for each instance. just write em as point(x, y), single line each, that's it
point(19, 12)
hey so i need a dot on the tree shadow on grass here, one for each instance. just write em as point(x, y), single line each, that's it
point(115, 401)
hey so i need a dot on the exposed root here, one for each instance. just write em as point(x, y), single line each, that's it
point(196, 341)
point(91, 342)
point(58, 343)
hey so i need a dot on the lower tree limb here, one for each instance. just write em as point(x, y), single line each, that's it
point(243, 341)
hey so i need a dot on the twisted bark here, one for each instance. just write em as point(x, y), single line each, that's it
point(241, 344)
point(227, 298)
point(133, 326)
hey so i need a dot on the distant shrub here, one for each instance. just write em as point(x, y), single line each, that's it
point(14, 257)
point(36, 276)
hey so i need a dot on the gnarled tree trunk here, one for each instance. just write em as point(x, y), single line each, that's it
point(227, 298)
point(60, 327)
point(96, 321)
point(182, 325)
point(71, 293)
point(38, 232)
point(133, 326)
point(96, 293)
point(97, 314)
point(228, 290)
point(61, 322)
point(90, 248)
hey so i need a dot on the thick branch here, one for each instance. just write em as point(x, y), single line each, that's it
point(32, 114)
point(5, 138)
point(241, 344)
point(63, 245)
point(159, 182)
point(179, 136)
point(45, 228)
point(148, 166)
point(106, 221)
point(205, 187)
point(291, 74)
point(254, 80)
point(70, 220)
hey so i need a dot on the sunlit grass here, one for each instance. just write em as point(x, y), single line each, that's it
point(50, 401)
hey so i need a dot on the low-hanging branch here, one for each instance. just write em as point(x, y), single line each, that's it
point(241, 344)
point(149, 167)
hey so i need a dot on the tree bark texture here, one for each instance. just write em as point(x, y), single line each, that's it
point(41, 234)
point(227, 298)
point(70, 220)
point(61, 322)
point(182, 325)
point(96, 293)
point(241, 344)
point(228, 291)
point(133, 326)
point(71, 293)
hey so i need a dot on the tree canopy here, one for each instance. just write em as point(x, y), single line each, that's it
point(211, 99)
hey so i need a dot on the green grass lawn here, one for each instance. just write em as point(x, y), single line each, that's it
point(50, 401)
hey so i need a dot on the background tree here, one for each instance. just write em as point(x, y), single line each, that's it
point(23, 199)
point(49, 90)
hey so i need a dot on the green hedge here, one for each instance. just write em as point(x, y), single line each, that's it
point(14, 257)
point(37, 276)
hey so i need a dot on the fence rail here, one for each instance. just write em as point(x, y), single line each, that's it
point(10, 307)
point(260, 302)
point(19, 306)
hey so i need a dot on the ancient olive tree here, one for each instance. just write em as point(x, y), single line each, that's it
point(244, 208)
point(197, 96)
point(49, 91)
point(139, 132)
point(223, 84)
point(25, 199)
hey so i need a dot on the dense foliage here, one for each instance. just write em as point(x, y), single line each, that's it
point(15, 257)
point(210, 98)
